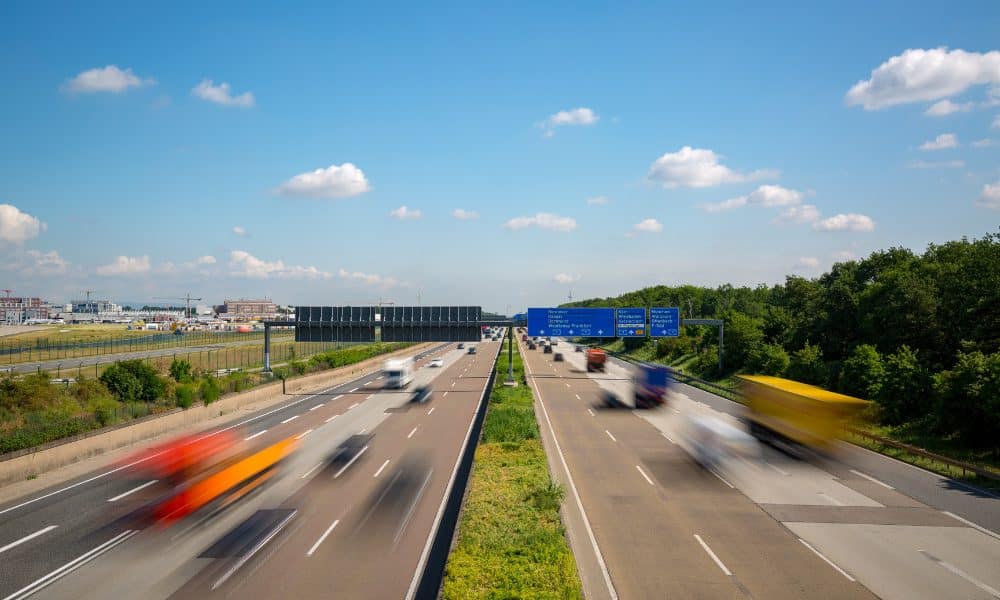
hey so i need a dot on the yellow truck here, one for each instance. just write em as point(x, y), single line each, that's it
point(796, 412)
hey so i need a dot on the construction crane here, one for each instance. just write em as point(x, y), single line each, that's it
point(7, 293)
point(187, 299)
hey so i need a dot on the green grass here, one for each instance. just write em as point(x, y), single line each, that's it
point(511, 542)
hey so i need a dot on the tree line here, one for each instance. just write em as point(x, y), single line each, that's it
point(917, 333)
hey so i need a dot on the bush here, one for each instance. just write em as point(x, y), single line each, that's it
point(769, 359)
point(968, 398)
point(905, 388)
point(184, 396)
point(548, 497)
point(298, 367)
point(131, 380)
point(180, 371)
point(105, 410)
point(863, 372)
point(707, 361)
point(806, 365)
point(209, 390)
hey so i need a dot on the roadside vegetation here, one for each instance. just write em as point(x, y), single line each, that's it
point(35, 410)
point(917, 334)
point(511, 542)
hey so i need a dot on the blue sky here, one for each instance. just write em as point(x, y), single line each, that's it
point(125, 164)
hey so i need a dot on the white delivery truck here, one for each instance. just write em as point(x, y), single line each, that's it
point(398, 373)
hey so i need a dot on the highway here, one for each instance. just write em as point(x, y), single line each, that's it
point(70, 541)
point(645, 520)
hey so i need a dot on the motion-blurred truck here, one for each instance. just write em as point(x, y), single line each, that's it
point(398, 373)
point(782, 410)
point(596, 359)
point(650, 382)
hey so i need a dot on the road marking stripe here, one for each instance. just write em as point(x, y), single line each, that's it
point(363, 429)
point(452, 384)
point(830, 498)
point(310, 471)
point(646, 477)
point(567, 385)
point(352, 406)
point(782, 471)
point(380, 469)
point(303, 434)
point(412, 432)
point(971, 524)
point(354, 390)
point(322, 537)
point(250, 437)
point(378, 378)
point(827, 560)
point(723, 479)
point(315, 407)
point(445, 395)
point(131, 491)
point(591, 412)
point(290, 419)
point(350, 462)
point(872, 479)
point(979, 584)
point(578, 397)
point(246, 557)
point(669, 439)
point(610, 436)
point(26, 538)
point(338, 397)
point(331, 418)
point(432, 408)
point(712, 554)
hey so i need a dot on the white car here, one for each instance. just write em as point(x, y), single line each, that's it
point(436, 362)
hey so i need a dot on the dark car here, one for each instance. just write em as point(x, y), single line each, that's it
point(178, 332)
point(461, 346)
point(558, 357)
point(548, 349)
point(554, 342)
point(579, 348)
point(421, 394)
point(350, 449)
point(472, 349)
point(531, 346)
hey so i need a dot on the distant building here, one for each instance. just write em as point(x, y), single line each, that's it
point(92, 307)
point(14, 311)
point(248, 310)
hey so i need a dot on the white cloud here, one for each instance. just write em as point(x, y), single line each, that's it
point(919, 75)
point(221, 94)
point(941, 164)
point(367, 278)
point(697, 168)
point(947, 107)
point(17, 226)
point(125, 265)
point(597, 200)
point(404, 212)
point(725, 205)
point(996, 123)
point(843, 255)
point(240, 231)
point(203, 260)
point(335, 181)
point(807, 262)
point(941, 142)
point(574, 116)
point(805, 213)
point(990, 197)
point(768, 196)
point(544, 221)
point(109, 79)
point(983, 143)
point(648, 226)
point(244, 264)
point(845, 222)
point(464, 215)
point(565, 278)
point(47, 263)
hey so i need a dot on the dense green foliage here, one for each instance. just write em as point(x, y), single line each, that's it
point(917, 333)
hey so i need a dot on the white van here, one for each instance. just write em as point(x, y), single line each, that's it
point(398, 373)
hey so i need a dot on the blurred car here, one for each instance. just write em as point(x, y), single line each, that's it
point(461, 346)
point(547, 349)
point(579, 349)
point(436, 362)
point(472, 349)
point(350, 448)
point(554, 342)
point(531, 346)
point(421, 394)
point(558, 357)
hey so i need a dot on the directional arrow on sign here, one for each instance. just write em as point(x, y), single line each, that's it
point(571, 332)
point(541, 331)
point(600, 331)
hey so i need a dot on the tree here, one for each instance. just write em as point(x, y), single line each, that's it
point(863, 372)
point(968, 398)
point(133, 380)
point(806, 365)
point(905, 388)
point(744, 335)
point(180, 370)
point(769, 359)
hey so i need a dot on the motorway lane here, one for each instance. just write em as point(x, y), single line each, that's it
point(76, 515)
point(665, 527)
point(160, 562)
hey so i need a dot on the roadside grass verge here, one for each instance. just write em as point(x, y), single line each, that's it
point(511, 542)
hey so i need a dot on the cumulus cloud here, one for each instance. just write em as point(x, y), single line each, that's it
point(464, 215)
point(110, 79)
point(16, 226)
point(941, 164)
point(990, 196)
point(947, 107)
point(648, 226)
point(544, 221)
point(367, 278)
point(240, 231)
point(941, 142)
point(202, 261)
point(47, 263)
point(404, 212)
point(919, 75)
point(737, 202)
point(597, 200)
point(565, 278)
point(845, 222)
point(697, 168)
point(335, 181)
point(768, 196)
point(244, 264)
point(805, 213)
point(983, 143)
point(221, 94)
point(125, 265)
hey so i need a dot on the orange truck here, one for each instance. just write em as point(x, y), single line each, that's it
point(596, 359)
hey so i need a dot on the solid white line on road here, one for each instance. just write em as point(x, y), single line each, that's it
point(290, 419)
point(315, 407)
point(832, 500)
point(303, 434)
point(310, 471)
point(380, 469)
point(72, 565)
point(350, 462)
point(721, 478)
point(644, 476)
point(412, 432)
point(246, 557)
point(610, 436)
point(578, 397)
point(712, 554)
point(131, 491)
point(971, 524)
point(872, 479)
point(432, 408)
point(669, 439)
point(591, 412)
point(331, 418)
point(827, 560)
point(322, 537)
point(979, 584)
point(250, 437)
point(782, 471)
point(352, 406)
point(27, 538)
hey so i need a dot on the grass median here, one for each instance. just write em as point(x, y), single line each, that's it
point(511, 542)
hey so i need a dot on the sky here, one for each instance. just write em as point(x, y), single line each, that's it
point(505, 156)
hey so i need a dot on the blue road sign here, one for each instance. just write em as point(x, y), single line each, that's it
point(664, 322)
point(631, 322)
point(571, 322)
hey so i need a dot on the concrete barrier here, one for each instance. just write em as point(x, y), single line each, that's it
point(22, 465)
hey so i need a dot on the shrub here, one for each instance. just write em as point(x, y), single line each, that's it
point(968, 398)
point(863, 372)
point(209, 390)
point(769, 359)
point(184, 396)
point(297, 367)
point(105, 410)
point(707, 361)
point(904, 390)
point(131, 380)
point(548, 497)
point(806, 365)
point(180, 370)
